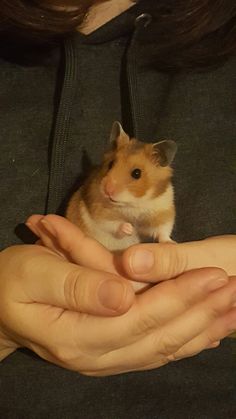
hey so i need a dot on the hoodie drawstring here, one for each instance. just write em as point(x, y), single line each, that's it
point(141, 22)
point(62, 128)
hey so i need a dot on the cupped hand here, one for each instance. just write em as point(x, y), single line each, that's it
point(66, 239)
point(43, 296)
point(152, 263)
point(38, 284)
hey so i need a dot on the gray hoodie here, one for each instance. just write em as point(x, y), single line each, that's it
point(56, 112)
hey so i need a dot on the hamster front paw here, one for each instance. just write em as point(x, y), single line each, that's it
point(125, 229)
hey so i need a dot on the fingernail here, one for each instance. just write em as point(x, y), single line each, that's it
point(216, 283)
point(32, 228)
point(48, 227)
point(141, 261)
point(111, 294)
point(29, 225)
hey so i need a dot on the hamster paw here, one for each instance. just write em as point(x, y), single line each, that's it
point(127, 229)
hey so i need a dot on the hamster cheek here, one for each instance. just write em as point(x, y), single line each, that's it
point(102, 184)
point(125, 196)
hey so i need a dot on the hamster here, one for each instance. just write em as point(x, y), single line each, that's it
point(129, 198)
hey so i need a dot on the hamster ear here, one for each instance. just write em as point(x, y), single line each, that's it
point(118, 136)
point(164, 152)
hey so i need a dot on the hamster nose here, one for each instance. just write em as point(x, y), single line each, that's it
point(109, 187)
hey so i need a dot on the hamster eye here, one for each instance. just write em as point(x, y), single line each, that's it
point(110, 165)
point(136, 173)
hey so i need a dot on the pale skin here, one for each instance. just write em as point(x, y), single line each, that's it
point(102, 13)
point(52, 301)
point(47, 293)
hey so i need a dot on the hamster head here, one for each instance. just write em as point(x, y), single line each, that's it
point(134, 172)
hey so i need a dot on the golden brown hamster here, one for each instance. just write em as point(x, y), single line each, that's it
point(129, 198)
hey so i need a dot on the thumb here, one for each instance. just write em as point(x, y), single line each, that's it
point(161, 261)
point(45, 278)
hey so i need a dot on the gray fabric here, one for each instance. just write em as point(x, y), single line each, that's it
point(199, 388)
point(196, 110)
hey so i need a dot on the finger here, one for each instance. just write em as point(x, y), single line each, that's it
point(221, 328)
point(58, 233)
point(202, 315)
point(160, 261)
point(171, 298)
point(150, 312)
point(45, 278)
point(165, 360)
point(67, 240)
point(109, 336)
point(159, 346)
point(46, 238)
point(64, 355)
point(32, 222)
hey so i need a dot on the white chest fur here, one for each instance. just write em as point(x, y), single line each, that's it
point(106, 231)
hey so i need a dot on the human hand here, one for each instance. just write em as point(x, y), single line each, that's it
point(66, 239)
point(37, 286)
point(156, 262)
point(43, 296)
point(59, 234)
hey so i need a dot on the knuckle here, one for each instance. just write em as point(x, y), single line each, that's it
point(210, 338)
point(74, 290)
point(97, 368)
point(215, 344)
point(185, 352)
point(171, 261)
point(65, 356)
point(168, 345)
point(146, 323)
point(19, 261)
point(174, 357)
point(181, 260)
point(214, 312)
point(182, 295)
point(84, 364)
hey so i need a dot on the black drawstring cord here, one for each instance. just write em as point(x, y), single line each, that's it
point(141, 22)
point(62, 129)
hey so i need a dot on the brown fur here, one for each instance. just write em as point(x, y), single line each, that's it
point(133, 155)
